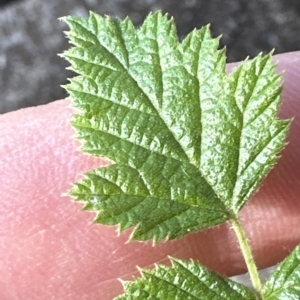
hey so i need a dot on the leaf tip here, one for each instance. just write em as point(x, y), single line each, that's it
point(63, 19)
point(66, 194)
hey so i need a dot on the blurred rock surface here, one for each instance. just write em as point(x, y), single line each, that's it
point(31, 36)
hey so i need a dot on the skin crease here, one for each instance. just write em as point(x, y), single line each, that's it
point(50, 250)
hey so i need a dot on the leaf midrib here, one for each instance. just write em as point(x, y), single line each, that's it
point(147, 196)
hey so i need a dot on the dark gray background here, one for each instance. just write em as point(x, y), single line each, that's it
point(31, 36)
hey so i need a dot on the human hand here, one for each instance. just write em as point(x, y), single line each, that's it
point(50, 250)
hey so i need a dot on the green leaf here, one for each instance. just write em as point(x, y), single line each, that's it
point(189, 144)
point(284, 281)
point(121, 195)
point(184, 280)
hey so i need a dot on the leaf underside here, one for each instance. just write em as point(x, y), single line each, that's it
point(284, 281)
point(184, 280)
point(189, 143)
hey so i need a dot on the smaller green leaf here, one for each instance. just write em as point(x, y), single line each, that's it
point(123, 197)
point(284, 282)
point(184, 280)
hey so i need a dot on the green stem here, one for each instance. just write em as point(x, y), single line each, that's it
point(246, 251)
